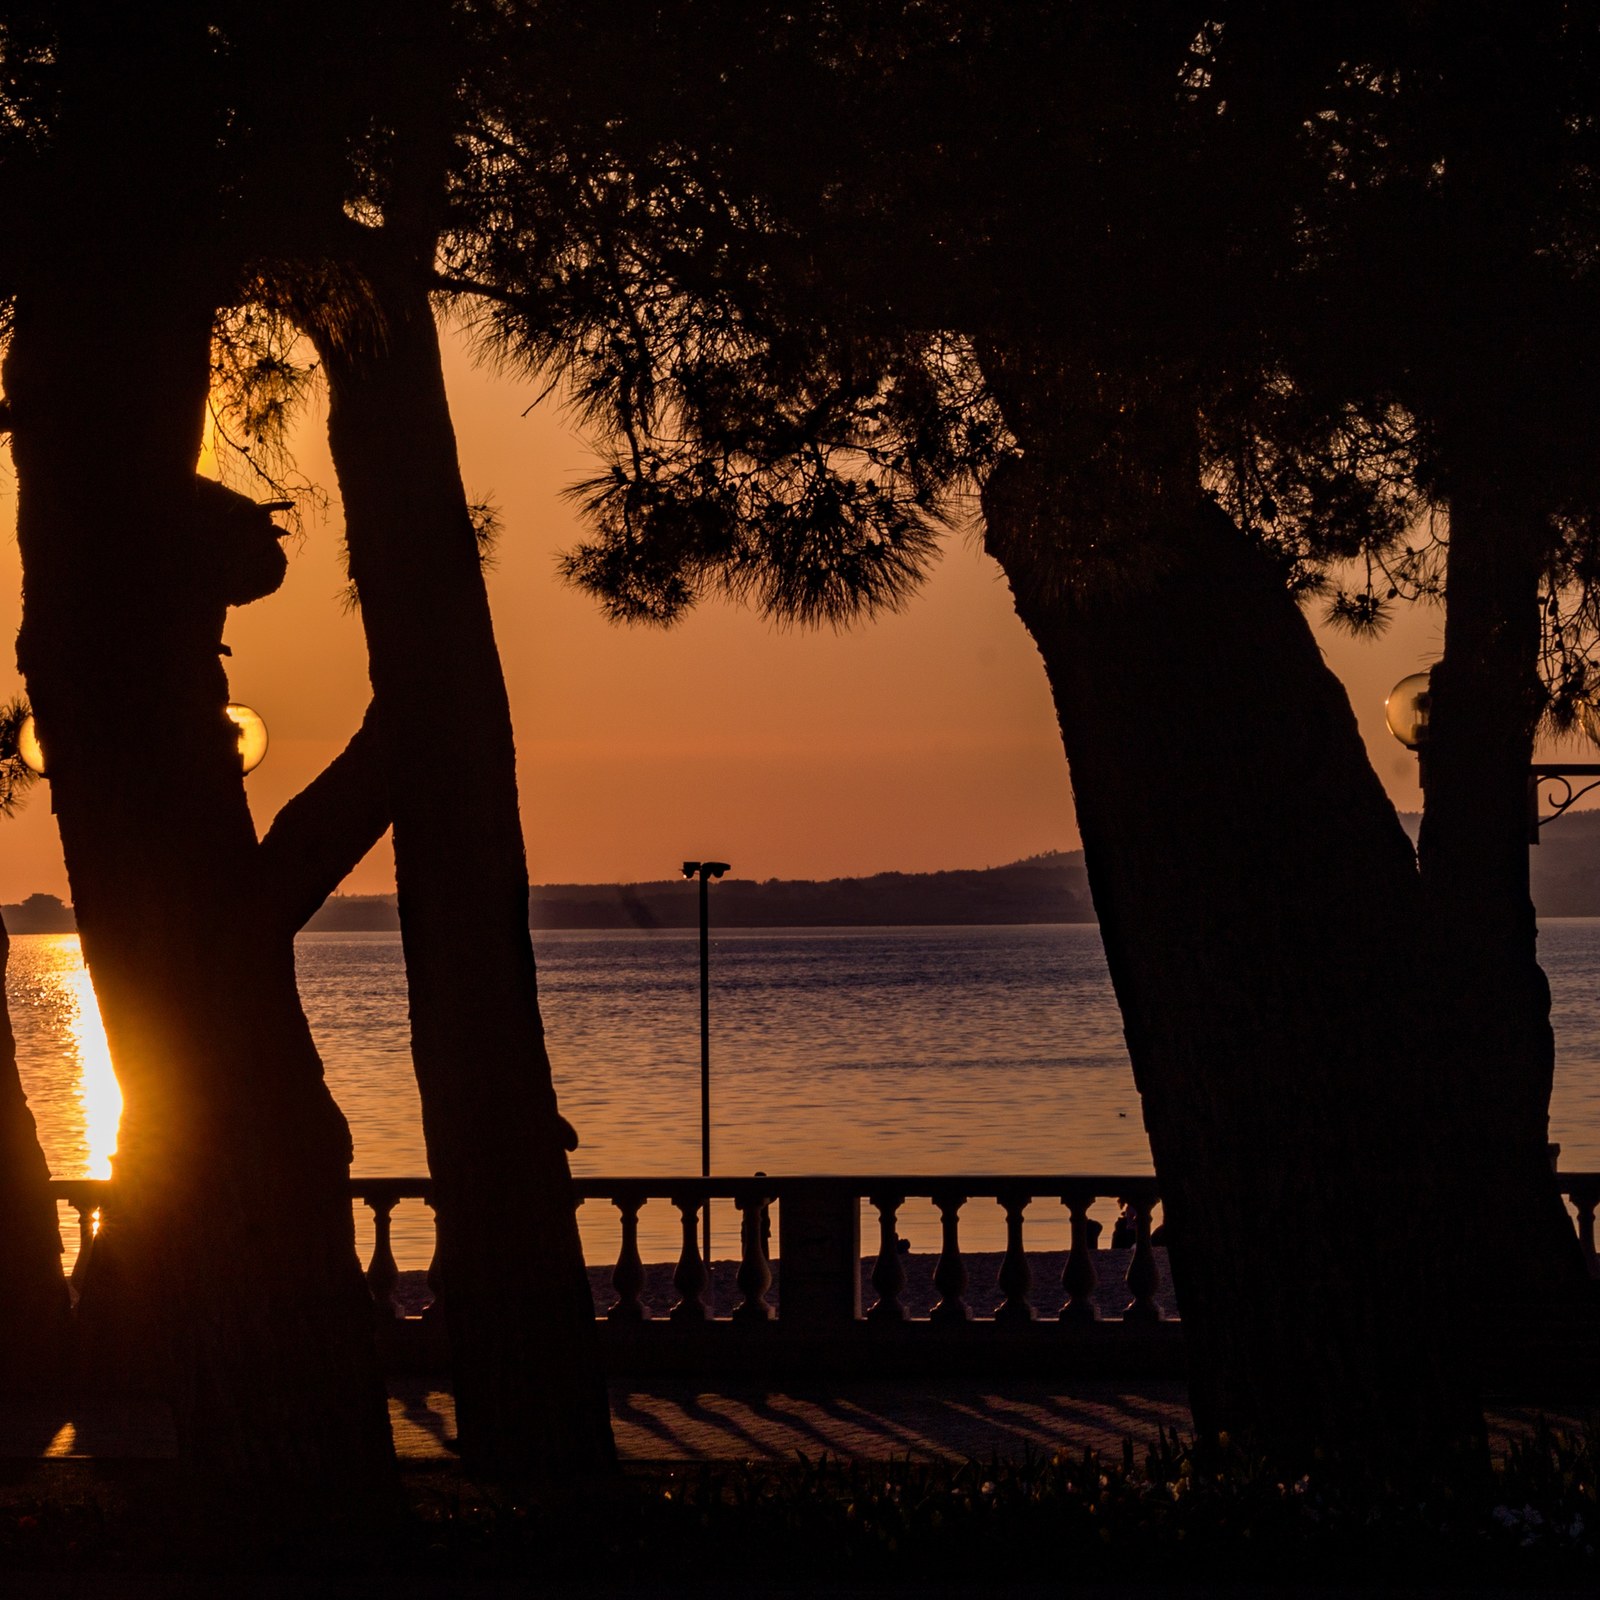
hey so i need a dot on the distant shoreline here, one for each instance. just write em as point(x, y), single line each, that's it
point(1050, 888)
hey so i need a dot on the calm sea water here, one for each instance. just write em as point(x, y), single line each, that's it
point(833, 1050)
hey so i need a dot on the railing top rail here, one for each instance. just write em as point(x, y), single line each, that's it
point(977, 1183)
point(981, 1185)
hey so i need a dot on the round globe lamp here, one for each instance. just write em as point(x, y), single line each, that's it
point(1406, 710)
point(252, 740)
point(252, 735)
point(28, 747)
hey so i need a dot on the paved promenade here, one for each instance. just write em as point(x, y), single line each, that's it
point(683, 1420)
point(678, 1420)
point(670, 1420)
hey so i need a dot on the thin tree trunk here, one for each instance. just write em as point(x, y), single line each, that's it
point(224, 1277)
point(1259, 906)
point(1497, 1046)
point(529, 1394)
point(1478, 382)
point(34, 1327)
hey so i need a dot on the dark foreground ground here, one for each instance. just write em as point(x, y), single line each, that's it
point(1017, 1486)
point(664, 1421)
point(880, 1488)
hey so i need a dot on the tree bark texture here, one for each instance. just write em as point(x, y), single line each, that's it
point(34, 1326)
point(529, 1394)
point(1259, 907)
point(224, 1277)
point(1497, 1048)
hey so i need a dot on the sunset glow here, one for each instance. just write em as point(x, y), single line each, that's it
point(207, 464)
point(924, 741)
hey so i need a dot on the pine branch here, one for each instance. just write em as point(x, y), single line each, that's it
point(319, 836)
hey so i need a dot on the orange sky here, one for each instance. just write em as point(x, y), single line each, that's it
point(922, 741)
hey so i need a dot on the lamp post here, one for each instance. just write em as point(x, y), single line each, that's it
point(705, 871)
point(1407, 711)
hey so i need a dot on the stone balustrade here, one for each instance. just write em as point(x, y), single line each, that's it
point(803, 1306)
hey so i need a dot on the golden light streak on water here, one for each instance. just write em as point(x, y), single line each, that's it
point(98, 1094)
point(98, 1090)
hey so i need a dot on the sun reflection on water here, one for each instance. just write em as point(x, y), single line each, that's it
point(98, 1091)
point(63, 1056)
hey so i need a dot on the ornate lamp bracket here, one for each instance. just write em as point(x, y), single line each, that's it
point(1562, 794)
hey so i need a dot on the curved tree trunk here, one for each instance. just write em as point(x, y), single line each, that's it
point(224, 1277)
point(529, 1395)
point(1259, 906)
point(34, 1327)
point(1497, 1047)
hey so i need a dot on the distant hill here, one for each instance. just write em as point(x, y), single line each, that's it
point(1566, 866)
point(1050, 888)
point(1045, 889)
point(1565, 869)
point(356, 913)
point(39, 913)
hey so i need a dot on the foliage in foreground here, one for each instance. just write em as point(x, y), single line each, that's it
point(1532, 1518)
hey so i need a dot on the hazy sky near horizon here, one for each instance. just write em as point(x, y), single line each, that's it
point(924, 740)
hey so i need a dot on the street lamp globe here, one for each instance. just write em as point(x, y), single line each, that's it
point(28, 747)
point(252, 739)
point(1406, 710)
point(252, 735)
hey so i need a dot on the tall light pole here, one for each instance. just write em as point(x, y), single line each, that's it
point(705, 871)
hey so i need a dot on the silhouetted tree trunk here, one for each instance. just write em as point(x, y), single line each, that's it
point(34, 1328)
point(529, 1395)
point(1480, 371)
point(224, 1277)
point(1260, 911)
point(1497, 1049)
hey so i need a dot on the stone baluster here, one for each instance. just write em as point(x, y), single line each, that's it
point(888, 1274)
point(1015, 1276)
point(88, 1214)
point(1079, 1277)
point(1585, 1197)
point(1144, 1277)
point(436, 1267)
point(383, 1275)
point(691, 1277)
point(755, 1270)
point(950, 1275)
point(627, 1277)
